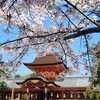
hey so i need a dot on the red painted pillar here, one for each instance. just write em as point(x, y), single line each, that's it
point(3, 95)
point(75, 94)
point(62, 95)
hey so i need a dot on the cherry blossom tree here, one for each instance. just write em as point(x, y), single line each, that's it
point(46, 26)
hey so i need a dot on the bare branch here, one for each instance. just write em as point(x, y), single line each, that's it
point(83, 32)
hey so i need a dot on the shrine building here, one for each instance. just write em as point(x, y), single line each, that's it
point(44, 83)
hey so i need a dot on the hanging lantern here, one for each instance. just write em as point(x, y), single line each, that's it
point(27, 90)
point(6, 97)
point(51, 94)
point(18, 96)
point(45, 90)
point(71, 95)
point(64, 95)
point(36, 95)
point(78, 95)
point(31, 95)
point(57, 95)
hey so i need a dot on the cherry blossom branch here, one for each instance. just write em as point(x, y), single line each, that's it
point(87, 46)
point(12, 4)
point(2, 71)
point(63, 51)
point(67, 17)
point(2, 2)
point(75, 35)
point(82, 13)
point(83, 32)
point(20, 55)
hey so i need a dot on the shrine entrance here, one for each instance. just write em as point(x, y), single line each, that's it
point(37, 87)
point(40, 95)
point(42, 84)
point(37, 95)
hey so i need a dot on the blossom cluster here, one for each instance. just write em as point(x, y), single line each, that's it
point(42, 26)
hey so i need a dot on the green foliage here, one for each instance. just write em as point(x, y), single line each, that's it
point(17, 76)
point(91, 94)
point(26, 76)
point(3, 85)
point(96, 80)
point(24, 97)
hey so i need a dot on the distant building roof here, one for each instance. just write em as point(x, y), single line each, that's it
point(74, 82)
point(9, 82)
point(46, 60)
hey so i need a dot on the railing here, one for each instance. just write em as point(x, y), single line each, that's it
point(40, 94)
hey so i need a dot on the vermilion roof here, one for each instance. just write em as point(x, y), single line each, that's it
point(46, 60)
point(48, 66)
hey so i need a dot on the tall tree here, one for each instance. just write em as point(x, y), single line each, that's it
point(95, 79)
point(46, 26)
point(93, 92)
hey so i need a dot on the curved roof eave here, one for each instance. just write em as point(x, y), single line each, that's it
point(38, 78)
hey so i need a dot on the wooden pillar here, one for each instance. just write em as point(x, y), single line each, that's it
point(39, 95)
point(21, 95)
point(74, 94)
point(62, 95)
point(3, 95)
point(14, 95)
